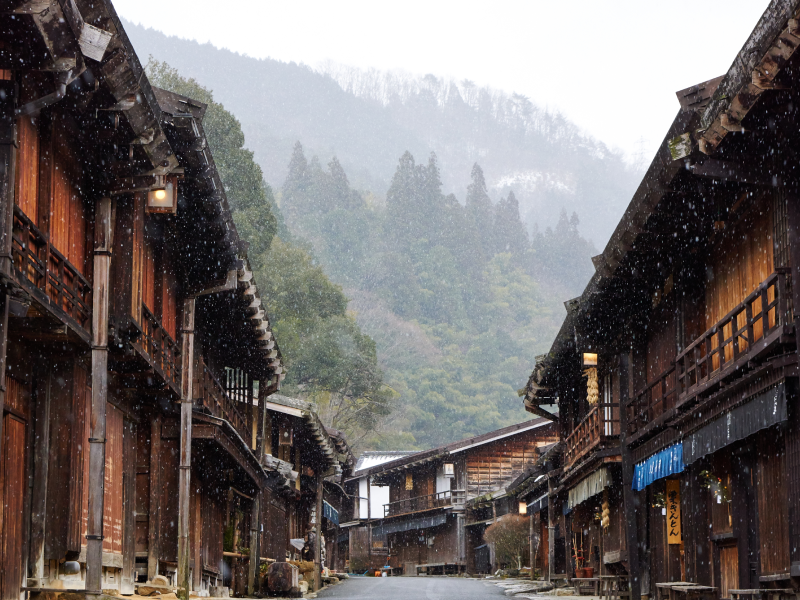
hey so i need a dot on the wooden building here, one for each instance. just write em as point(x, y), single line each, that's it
point(136, 357)
point(425, 521)
point(676, 371)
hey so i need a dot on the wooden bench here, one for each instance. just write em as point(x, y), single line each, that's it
point(765, 593)
point(586, 583)
point(685, 590)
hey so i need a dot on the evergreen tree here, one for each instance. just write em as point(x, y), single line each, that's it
point(509, 234)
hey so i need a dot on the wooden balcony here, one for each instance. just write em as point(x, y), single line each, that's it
point(752, 328)
point(599, 426)
point(160, 351)
point(422, 503)
point(656, 400)
point(757, 324)
point(49, 276)
point(210, 394)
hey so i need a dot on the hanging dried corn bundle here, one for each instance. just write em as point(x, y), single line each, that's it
point(592, 388)
point(605, 515)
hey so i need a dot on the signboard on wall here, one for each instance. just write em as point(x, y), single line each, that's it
point(673, 499)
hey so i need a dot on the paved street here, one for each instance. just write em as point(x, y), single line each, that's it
point(413, 588)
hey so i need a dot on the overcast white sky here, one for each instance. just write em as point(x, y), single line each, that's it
point(613, 67)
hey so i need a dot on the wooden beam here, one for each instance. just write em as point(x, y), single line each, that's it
point(726, 170)
point(41, 463)
point(103, 242)
point(185, 468)
point(318, 535)
point(128, 507)
point(154, 514)
point(629, 509)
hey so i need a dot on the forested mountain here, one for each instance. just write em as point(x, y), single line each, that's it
point(456, 296)
point(409, 292)
point(367, 119)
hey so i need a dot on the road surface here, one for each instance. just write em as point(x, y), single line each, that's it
point(412, 588)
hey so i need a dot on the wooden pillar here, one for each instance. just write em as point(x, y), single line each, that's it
point(8, 158)
point(255, 519)
point(318, 536)
point(531, 545)
point(41, 463)
point(103, 242)
point(129, 507)
point(551, 530)
point(793, 433)
point(185, 468)
point(154, 514)
point(628, 497)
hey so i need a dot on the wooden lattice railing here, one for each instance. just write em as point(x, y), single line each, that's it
point(734, 339)
point(43, 267)
point(162, 350)
point(428, 502)
point(654, 400)
point(600, 423)
point(210, 394)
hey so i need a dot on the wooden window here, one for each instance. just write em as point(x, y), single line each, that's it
point(27, 176)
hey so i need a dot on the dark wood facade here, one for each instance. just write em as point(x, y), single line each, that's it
point(690, 317)
point(136, 359)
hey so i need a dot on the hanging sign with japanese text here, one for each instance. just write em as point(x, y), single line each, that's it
point(673, 499)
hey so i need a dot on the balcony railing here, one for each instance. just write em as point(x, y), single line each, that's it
point(599, 425)
point(752, 327)
point(46, 270)
point(210, 394)
point(160, 349)
point(420, 503)
point(658, 397)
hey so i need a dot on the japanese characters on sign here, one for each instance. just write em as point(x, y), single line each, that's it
point(673, 499)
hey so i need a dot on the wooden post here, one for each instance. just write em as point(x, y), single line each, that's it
point(8, 158)
point(369, 524)
point(531, 545)
point(551, 527)
point(318, 536)
point(185, 468)
point(628, 498)
point(41, 463)
point(154, 514)
point(103, 242)
point(253, 577)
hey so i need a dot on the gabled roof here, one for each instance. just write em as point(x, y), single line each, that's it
point(371, 459)
point(424, 456)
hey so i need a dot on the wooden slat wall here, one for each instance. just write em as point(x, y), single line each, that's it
point(213, 517)
point(12, 490)
point(728, 570)
point(79, 459)
point(12, 486)
point(169, 300)
point(143, 489)
point(68, 214)
point(149, 275)
point(27, 176)
point(137, 256)
point(661, 338)
point(490, 466)
point(169, 498)
point(113, 482)
point(741, 258)
point(773, 512)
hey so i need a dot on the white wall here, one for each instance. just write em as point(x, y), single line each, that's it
point(442, 482)
point(379, 497)
point(362, 502)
